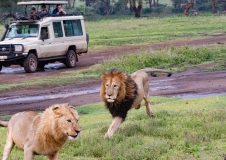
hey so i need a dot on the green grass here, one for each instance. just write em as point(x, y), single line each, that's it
point(174, 59)
point(129, 30)
point(181, 129)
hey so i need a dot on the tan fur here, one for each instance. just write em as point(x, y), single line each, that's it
point(115, 87)
point(42, 134)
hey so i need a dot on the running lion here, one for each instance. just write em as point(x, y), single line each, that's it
point(121, 92)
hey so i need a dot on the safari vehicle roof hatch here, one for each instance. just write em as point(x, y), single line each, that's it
point(42, 2)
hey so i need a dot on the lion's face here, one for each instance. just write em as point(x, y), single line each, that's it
point(68, 120)
point(113, 86)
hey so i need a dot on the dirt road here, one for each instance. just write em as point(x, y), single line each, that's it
point(191, 83)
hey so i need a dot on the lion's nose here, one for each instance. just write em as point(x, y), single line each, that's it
point(77, 131)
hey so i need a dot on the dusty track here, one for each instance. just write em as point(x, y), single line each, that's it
point(191, 83)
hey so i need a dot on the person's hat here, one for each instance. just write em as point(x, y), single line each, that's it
point(33, 8)
point(43, 6)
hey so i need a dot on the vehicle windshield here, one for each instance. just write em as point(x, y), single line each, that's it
point(26, 30)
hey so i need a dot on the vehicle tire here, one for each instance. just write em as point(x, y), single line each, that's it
point(0, 67)
point(30, 63)
point(70, 60)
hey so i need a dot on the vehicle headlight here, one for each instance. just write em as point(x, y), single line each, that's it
point(18, 48)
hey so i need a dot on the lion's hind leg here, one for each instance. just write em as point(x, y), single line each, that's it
point(148, 107)
point(8, 147)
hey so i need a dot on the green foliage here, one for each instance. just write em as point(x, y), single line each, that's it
point(166, 58)
point(181, 129)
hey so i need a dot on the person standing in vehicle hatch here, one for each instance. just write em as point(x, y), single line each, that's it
point(58, 10)
point(43, 12)
point(33, 15)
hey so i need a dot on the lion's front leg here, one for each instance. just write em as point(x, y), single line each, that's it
point(8, 147)
point(28, 153)
point(53, 157)
point(113, 127)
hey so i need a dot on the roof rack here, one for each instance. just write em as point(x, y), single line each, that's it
point(42, 2)
point(24, 21)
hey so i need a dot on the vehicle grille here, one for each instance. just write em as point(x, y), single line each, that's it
point(6, 49)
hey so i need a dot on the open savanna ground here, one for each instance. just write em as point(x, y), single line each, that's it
point(173, 59)
point(181, 129)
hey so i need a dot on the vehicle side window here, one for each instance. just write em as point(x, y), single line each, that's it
point(72, 28)
point(57, 29)
point(44, 33)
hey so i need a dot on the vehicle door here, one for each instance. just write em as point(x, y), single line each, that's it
point(46, 48)
point(58, 41)
point(74, 35)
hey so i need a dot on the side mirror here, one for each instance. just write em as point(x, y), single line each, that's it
point(6, 26)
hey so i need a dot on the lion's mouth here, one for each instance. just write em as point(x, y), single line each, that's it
point(110, 100)
point(72, 137)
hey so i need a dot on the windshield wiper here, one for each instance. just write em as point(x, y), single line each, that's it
point(15, 37)
point(28, 36)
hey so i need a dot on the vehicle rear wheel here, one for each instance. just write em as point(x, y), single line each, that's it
point(0, 67)
point(30, 63)
point(70, 60)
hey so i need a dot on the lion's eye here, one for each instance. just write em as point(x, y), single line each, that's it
point(115, 86)
point(69, 120)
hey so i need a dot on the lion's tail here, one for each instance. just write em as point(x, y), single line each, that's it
point(4, 123)
point(153, 70)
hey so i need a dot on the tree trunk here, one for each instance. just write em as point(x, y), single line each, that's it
point(150, 1)
point(69, 4)
point(131, 4)
point(73, 4)
point(214, 7)
point(108, 7)
point(137, 10)
point(187, 7)
point(88, 3)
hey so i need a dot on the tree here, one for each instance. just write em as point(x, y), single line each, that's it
point(187, 7)
point(137, 9)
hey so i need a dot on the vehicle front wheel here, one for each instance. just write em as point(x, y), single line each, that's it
point(30, 63)
point(70, 60)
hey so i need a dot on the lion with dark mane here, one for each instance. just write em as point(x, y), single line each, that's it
point(121, 92)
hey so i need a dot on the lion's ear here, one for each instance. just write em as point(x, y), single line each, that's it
point(103, 77)
point(56, 108)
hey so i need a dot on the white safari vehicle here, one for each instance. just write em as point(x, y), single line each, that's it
point(34, 43)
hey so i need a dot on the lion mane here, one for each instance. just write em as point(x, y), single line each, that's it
point(126, 94)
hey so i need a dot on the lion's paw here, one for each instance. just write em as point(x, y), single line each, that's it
point(106, 136)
